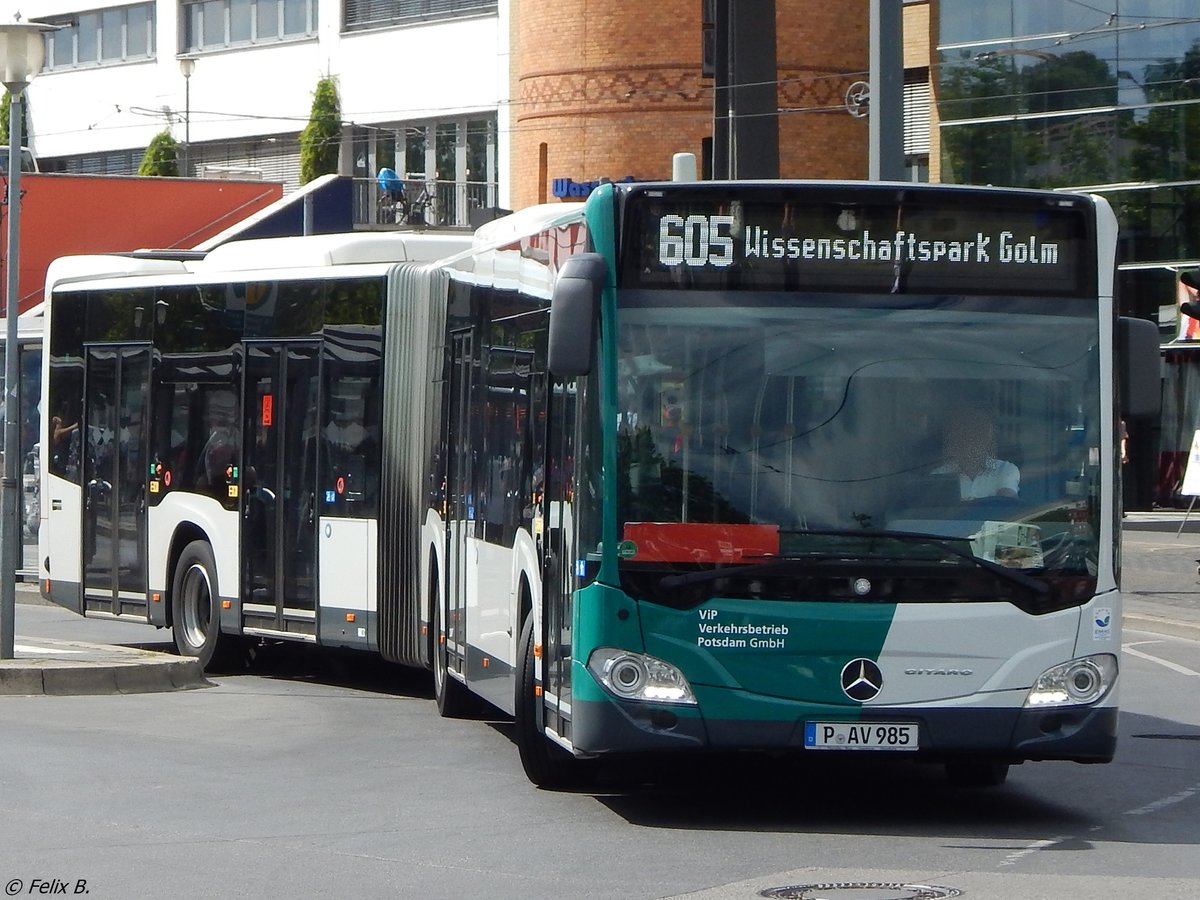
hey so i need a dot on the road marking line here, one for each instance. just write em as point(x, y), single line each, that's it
point(1164, 802)
point(1174, 667)
point(1017, 855)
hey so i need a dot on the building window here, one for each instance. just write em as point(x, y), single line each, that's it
point(917, 100)
point(361, 14)
point(100, 37)
point(117, 162)
point(1057, 95)
point(213, 24)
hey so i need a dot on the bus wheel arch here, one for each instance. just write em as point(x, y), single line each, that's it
point(524, 610)
point(186, 534)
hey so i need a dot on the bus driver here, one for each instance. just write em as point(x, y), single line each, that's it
point(969, 440)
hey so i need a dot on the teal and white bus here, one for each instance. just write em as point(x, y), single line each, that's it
point(670, 471)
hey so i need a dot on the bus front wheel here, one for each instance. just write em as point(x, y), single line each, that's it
point(195, 619)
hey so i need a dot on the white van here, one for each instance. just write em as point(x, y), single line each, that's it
point(28, 161)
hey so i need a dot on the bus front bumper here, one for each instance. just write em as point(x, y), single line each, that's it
point(1078, 733)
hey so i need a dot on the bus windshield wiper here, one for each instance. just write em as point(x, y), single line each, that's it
point(776, 564)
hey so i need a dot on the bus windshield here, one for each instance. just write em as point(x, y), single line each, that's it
point(768, 425)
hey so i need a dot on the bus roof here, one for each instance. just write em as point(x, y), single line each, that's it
point(322, 250)
point(529, 220)
point(69, 269)
point(260, 255)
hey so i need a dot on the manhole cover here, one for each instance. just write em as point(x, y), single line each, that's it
point(860, 890)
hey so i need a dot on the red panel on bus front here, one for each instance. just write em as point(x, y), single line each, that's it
point(699, 542)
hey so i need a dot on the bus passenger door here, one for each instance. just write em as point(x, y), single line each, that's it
point(279, 479)
point(460, 499)
point(117, 392)
point(559, 552)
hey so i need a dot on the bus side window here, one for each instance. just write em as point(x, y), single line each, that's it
point(202, 443)
point(350, 442)
point(169, 451)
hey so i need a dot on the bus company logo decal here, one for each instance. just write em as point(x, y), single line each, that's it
point(862, 680)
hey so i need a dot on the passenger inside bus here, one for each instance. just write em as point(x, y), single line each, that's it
point(64, 443)
point(969, 441)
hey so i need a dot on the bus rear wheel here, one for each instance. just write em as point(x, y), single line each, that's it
point(546, 764)
point(195, 615)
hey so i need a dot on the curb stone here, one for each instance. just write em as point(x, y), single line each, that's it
point(97, 669)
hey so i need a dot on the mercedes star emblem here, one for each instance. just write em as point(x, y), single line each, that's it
point(862, 680)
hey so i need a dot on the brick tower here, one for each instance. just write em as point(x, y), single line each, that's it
point(612, 89)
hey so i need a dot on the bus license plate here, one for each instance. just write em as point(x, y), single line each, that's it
point(860, 736)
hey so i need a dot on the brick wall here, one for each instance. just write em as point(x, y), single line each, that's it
point(916, 35)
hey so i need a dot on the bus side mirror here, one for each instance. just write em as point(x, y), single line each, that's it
point(574, 308)
point(1138, 368)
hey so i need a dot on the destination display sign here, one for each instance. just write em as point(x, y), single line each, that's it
point(821, 239)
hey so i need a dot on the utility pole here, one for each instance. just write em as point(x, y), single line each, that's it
point(885, 122)
point(745, 95)
point(21, 57)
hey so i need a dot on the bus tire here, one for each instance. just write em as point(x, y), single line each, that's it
point(977, 773)
point(195, 607)
point(545, 763)
point(454, 700)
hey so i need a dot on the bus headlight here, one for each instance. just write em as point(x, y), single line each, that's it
point(1075, 683)
point(635, 676)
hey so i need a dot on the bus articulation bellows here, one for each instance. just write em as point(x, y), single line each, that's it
point(668, 471)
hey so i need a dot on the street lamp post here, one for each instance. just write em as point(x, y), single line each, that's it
point(187, 65)
point(21, 56)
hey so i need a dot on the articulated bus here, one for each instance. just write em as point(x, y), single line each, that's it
point(774, 466)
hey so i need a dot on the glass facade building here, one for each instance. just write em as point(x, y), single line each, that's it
point(1104, 97)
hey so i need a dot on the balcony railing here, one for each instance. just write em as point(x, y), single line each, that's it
point(423, 204)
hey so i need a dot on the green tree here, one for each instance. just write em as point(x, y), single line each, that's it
point(1018, 147)
point(1076, 150)
point(161, 157)
point(1085, 155)
point(1075, 80)
point(5, 106)
point(1168, 137)
point(984, 152)
point(322, 136)
point(1165, 147)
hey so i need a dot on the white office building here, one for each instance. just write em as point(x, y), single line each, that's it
point(423, 87)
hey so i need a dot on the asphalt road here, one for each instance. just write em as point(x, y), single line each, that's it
point(1160, 557)
point(328, 775)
